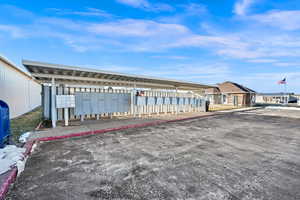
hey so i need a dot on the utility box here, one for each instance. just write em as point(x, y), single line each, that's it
point(4, 124)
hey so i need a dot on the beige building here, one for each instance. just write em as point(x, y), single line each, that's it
point(230, 93)
point(18, 89)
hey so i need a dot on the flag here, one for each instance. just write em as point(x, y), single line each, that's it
point(283, 81)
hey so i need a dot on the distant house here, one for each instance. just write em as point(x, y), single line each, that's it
point(18, 89)
point(276, 98)
point(230, 93)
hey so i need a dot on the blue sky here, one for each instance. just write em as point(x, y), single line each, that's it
point(252, 42)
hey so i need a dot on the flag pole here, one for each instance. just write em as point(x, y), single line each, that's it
point(285, 90)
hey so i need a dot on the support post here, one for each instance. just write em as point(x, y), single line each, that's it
point(53, 103)
point(132, 102)
point(66, 115)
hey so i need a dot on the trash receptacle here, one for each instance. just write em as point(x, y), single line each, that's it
point(207, 106)
point(4, 124)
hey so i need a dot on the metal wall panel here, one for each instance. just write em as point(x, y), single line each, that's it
point(151, 101)
point(180, 101)
point(99, 103)
point(46, 102)
point(140, 101)
point(174, 100)
point(186, 101)
point(167, 100)
point(192, 101)
point(19, 91)
point(159, 100)
point(124, 102)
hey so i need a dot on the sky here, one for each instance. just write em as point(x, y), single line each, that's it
point(252, 42)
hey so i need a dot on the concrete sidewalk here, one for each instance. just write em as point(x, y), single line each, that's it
point(92, 125)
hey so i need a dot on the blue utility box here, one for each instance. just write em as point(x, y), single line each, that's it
point(4, 124)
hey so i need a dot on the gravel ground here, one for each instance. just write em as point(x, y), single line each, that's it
point(229, 156)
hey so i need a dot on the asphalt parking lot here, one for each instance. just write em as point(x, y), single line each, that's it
point(245, 155)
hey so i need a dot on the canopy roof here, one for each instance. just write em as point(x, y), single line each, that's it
point(44, 72)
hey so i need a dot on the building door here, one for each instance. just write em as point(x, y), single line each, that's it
point(235, 100)
point(224, 99)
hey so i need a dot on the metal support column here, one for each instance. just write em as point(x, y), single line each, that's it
point(53, 103)
point(66, 115)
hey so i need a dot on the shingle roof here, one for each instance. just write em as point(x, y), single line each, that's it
point(229, 87)
point(241, 87)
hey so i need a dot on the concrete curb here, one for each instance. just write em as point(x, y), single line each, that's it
point(9, 180)
point(28, 146)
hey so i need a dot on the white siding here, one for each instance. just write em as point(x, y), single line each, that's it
point(19, 91)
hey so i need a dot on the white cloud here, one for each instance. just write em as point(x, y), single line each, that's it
point(287, 64)
point(13, 31)
point(284, 19)
point(94, 12)
point(145, 5)
point(254, 44)
point(242, 7)
point(195, 9)
point(262, 60)
point(171, 57)
point(137, 28)
point(135, 3)
point(211, 73)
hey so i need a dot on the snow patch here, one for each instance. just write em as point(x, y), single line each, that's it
point(238, 109)
point(11, 156)
point(282, 108)
point(23, 138)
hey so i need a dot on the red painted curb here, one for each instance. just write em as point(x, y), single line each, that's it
point(28, 146)
point(13, 174)
point(10, 179)
point(51, 138)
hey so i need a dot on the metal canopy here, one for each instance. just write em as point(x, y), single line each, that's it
point(44, 72)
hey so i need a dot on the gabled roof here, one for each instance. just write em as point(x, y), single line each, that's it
point(64, 74)
point(213, 90)
point(229, 87)
point(241, 88)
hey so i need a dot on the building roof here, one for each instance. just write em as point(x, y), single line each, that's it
point(64, 74)
point(231, 87)
point(213, 90)
point(14, 66)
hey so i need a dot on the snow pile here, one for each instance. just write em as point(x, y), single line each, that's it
point(10, 156)
point(282, 108)
point(23, 138)
point(237, 109)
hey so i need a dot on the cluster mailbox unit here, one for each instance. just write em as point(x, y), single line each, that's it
point(77, 93)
